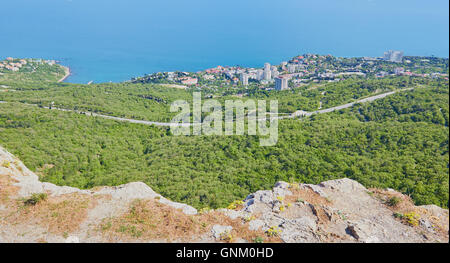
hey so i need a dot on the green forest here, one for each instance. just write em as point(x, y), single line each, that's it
point(152, 102)
point(400, 141)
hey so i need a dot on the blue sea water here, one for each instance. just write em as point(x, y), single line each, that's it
point(115, 40)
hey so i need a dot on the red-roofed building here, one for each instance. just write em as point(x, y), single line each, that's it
point(189, 81)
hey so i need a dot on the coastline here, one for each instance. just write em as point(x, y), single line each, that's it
point(67, 71)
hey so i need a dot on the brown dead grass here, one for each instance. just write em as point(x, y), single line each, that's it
point(317, 202)
point(60, 215)
point(306, 194)
point(406, 205)
point(7, 189)
point(151, 220)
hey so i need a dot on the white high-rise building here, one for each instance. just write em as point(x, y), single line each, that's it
point(292, 68)
point(260, 74)
point(393, 56)
point(281, 83)
point(275, 72)
point(244, 79)
point(267, 72)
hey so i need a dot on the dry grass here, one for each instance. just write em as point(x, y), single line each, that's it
point(151, 220)
point(399, 204)
point(404, 205)
point(60, 215)
point(306, 194)
point(7, 189)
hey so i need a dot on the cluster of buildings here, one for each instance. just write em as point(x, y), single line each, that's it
point(12, 64)
point(400, 71)
point(269, 74)
point(189, 81)
point(266, 75)
point(184, 78)
point(16, 64)
point(300, 70)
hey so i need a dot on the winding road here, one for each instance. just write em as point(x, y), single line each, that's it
point(348, 105)
point(169, 124)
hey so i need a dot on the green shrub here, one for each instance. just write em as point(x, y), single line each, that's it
point(398, 215)
point(34, 199)
point(394, 201)
point(258, 240)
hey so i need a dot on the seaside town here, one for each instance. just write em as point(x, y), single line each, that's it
point(305, 69)
point(14, 65)
point(298, 71)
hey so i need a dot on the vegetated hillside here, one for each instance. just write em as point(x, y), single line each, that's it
point(418, 106)
point(31, 71)
point(152, 102)
point(395, 150)
point(145, 102)
point(399, 142)
point(334, 211)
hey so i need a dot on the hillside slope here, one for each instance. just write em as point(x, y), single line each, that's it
point(334, 211)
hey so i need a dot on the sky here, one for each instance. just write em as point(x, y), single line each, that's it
point(114, 39)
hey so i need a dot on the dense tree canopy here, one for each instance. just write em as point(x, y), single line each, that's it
point(399, 142)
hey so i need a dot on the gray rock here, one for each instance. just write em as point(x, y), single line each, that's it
point(187, 209)
point(427, 225)
point(241, 241)
point(362, 232)
point(263, 197)
point(233, 214)
point(255, 225)
point(72, 239)
point(281, 192)
point(344, 185)
point(301, 230)
point(218, 231)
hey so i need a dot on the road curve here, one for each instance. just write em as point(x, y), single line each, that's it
point(348, 105)
point(169, 124)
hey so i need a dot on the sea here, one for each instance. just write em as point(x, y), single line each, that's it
point(116, 40)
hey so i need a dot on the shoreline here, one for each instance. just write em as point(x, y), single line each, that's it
point(67, 71)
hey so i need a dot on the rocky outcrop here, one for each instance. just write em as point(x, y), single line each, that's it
point(341, 211)
point(334, 211)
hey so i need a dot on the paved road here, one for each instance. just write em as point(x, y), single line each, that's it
point(123, 119)
point(348, 105)
point(293, 115)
